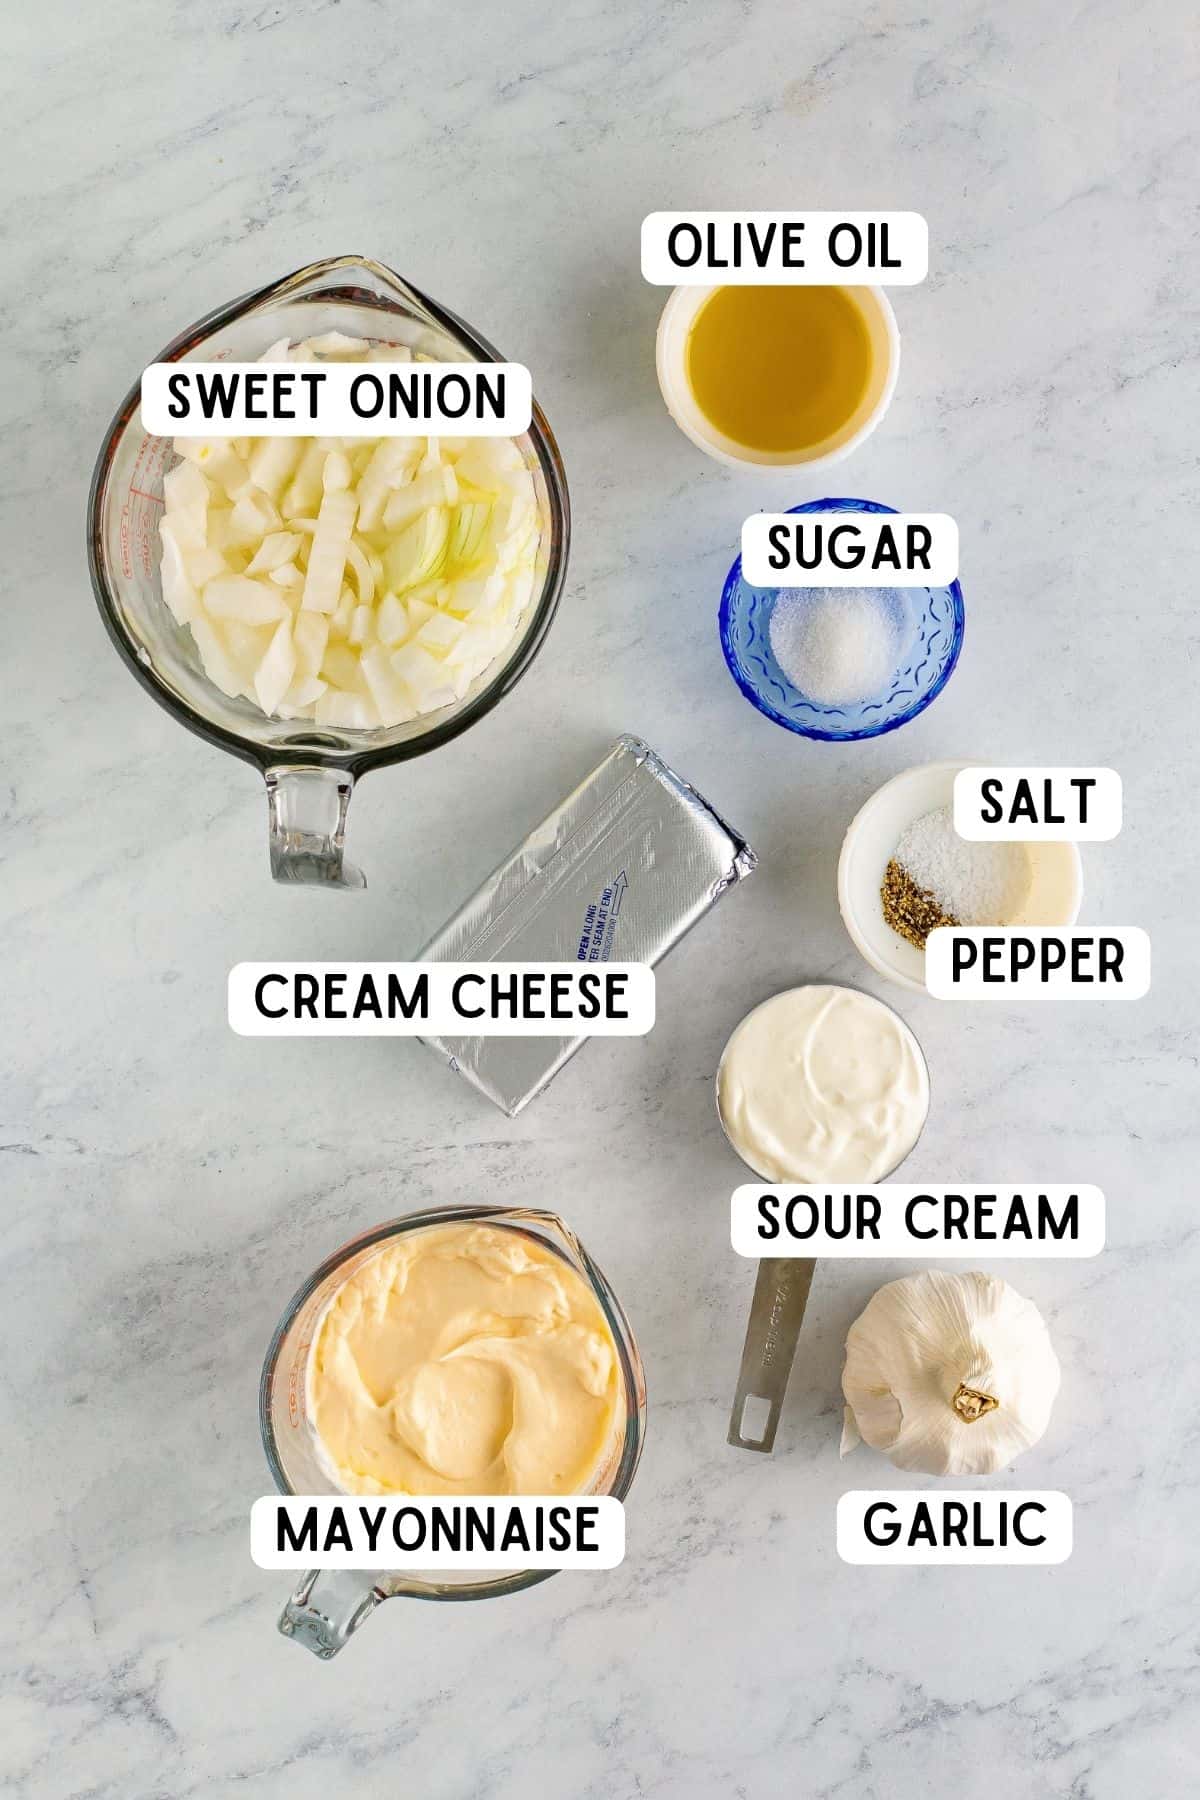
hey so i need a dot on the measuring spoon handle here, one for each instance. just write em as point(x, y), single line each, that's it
point(776, 1315)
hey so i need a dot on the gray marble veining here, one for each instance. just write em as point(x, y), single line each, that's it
point(166, 1185)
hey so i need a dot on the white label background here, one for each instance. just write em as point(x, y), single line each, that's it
point(1104, 806)
point(1135, 967)
point(895, 1240)
point(1056, 1523)
point(334, 415)
point(943, 551)
point(441, 1016)
point(608, 1532)
point(908, 239)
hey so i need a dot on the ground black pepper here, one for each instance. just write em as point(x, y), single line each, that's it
point(911, 910)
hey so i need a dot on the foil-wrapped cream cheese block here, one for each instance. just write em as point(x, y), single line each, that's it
point(618, 872)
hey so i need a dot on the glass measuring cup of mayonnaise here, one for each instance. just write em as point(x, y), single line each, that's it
point(329, 1605)
point(309, 771)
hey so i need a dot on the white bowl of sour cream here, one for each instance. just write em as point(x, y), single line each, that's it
point(822, 1084)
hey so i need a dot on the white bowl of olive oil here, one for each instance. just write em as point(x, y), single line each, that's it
point(778, 377)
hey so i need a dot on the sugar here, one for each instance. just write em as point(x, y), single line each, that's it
point(978, 884)
point(838, 645)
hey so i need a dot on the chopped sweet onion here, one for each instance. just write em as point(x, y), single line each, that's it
point(356, 582)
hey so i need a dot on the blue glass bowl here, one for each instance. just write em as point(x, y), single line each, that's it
point(936, 619)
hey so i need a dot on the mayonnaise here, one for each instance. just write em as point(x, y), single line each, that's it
point(463, 1359)
point(823, 1084)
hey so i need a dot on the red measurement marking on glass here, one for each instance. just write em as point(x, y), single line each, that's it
point(294, 1381)
point(157, 498)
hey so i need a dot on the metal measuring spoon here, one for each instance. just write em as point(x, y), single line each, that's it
point(772, 1333)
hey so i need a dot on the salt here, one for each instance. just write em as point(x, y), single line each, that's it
point(838, 645)
point(976, 883)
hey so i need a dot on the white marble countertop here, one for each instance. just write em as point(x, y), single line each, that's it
point(167, 1185)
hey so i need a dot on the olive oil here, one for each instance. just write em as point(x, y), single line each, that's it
point(779, 369)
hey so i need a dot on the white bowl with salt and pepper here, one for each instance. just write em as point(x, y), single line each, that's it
point(1051, 895)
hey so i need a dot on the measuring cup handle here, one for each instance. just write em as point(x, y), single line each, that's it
point(307, 812)
point(328, 1607)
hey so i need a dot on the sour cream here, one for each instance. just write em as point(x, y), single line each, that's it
point(823, 1084)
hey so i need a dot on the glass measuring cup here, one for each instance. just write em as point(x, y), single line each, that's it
point(329, 1605)
point(309, 770)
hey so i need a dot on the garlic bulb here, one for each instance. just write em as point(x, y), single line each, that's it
point(948, 1374)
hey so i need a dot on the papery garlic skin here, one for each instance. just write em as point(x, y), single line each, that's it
point(922, 1339)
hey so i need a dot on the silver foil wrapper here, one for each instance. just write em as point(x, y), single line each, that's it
point(618, 872)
